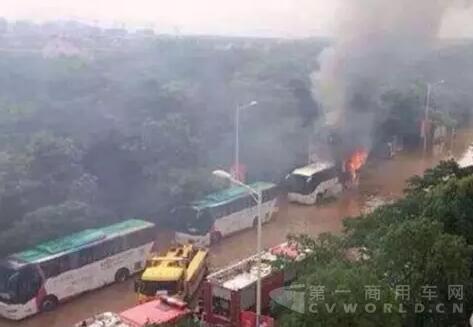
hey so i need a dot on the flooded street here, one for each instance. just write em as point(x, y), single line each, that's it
point(385, 179)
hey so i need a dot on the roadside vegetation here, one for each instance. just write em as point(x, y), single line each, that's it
point(414, 255)
point(130, 125)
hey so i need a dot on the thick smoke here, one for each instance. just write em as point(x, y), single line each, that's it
point(375, 43)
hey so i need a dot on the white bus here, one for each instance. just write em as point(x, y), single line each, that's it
point(466, 159)
point(40, 278)
point(223, 213)
point(312, 183)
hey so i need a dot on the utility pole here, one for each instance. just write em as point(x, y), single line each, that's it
point(257, 195)
point(427, 113)
point(426, 117)
point(237, 136)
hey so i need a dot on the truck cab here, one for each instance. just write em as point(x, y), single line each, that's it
point(163, 311)
point(178, 273)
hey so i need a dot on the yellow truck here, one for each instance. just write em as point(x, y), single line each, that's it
point(178, 273)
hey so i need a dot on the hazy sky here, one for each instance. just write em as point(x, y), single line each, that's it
point(248, 17)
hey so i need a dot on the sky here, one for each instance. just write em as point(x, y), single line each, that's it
point(284, 18)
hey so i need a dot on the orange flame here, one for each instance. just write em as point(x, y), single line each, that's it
point(355, 162)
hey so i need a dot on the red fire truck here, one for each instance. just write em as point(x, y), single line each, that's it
point(230, 293)
point(164, 311)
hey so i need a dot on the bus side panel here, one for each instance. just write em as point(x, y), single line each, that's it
point(96, 274)
point(243, 219)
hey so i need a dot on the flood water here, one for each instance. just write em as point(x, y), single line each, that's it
point(384, 179)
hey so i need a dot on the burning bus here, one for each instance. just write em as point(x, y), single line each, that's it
point(314, 182)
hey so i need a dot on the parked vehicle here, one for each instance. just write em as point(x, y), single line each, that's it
point(179, 273)
point(229, 292)
point(223, 213)
point(312, 183)
point(466, 160)
point(39, 278)
point(163, 311)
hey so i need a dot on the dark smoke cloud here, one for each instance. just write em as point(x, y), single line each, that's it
point(375, 43)
point(308, 108)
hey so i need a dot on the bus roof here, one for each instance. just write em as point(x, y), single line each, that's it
point(72, 242)
point(467, 158)
point(229, 194)
point(312, 169)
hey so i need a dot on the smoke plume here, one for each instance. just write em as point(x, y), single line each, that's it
point(375, 43)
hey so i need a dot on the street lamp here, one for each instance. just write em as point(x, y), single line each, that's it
point(237, 134)
point(427, 111)
point(258, 197)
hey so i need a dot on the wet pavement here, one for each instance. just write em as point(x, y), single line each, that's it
point(380, 181)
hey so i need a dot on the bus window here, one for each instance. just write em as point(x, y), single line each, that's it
point(86, 256)
point(300, 184)
point(139, 238)
point(237, 205)
point(99, 252)
point(204, 222)
point(113, 246)
point(29, 283)
point(270, 194)
point(8, 284)
point(249, 201)
point(50, 268)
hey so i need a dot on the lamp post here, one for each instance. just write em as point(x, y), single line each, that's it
point(258, 197)
point(237, 135)
point(427, 112)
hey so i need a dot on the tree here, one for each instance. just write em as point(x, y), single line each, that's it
point(340, 292)
point(421, 243)
point(51, 222)
point(420, 254)
point(136, 126)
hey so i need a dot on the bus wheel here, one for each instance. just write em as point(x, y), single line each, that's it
point(49, 303)
point(215, 237)
point(122, 275)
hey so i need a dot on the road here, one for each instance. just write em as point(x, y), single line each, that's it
point(385, 179)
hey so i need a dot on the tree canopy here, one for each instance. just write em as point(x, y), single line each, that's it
point(420, 244)
point(98, 125)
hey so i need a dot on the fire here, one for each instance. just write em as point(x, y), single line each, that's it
point(355, 162)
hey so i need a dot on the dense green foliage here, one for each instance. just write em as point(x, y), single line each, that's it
point(100, 125)
point(423, 240)
point(130, 126)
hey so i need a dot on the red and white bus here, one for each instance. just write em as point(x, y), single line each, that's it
point(39, 278)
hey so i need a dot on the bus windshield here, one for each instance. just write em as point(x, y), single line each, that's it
point(306, 184)
point(299, 184)
point(8, 283)
point(193, 222)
